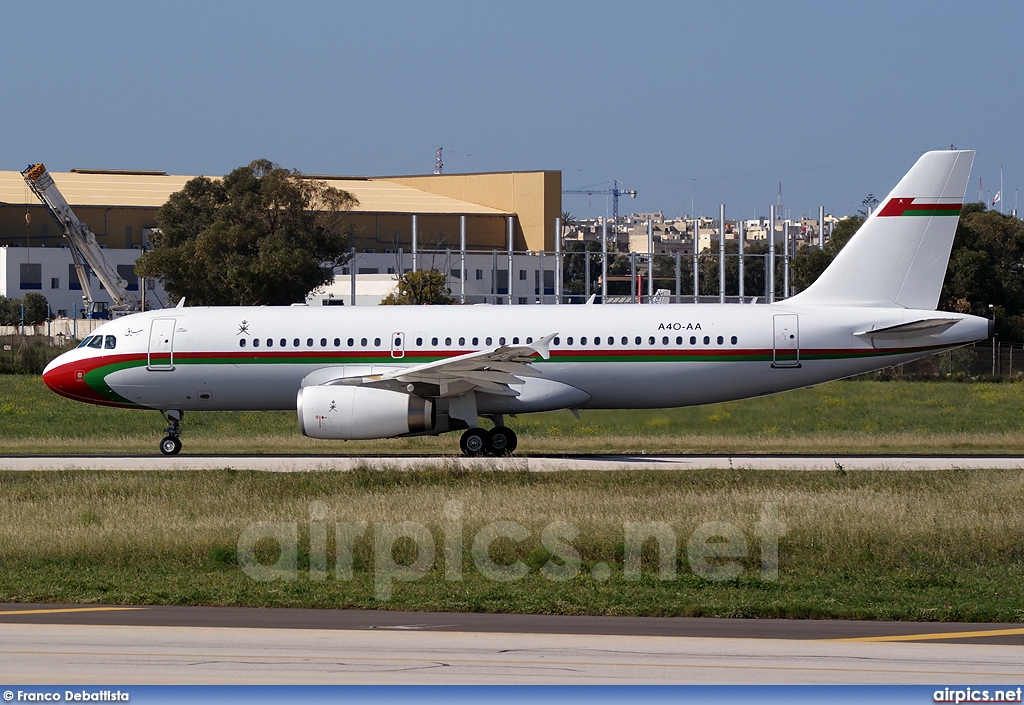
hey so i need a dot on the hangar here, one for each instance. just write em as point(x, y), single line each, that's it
point(395, 215)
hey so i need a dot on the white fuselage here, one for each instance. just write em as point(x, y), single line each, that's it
point(616, 356)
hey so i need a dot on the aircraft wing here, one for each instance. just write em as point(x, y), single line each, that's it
point(491, 371)
point(914, 329)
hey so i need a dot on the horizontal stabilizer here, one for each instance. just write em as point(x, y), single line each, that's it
point(914, 329)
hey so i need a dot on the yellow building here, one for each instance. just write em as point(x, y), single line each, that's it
point(120, 208)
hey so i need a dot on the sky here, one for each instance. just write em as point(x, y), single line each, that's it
point(692, 104)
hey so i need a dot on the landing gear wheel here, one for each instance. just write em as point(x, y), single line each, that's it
point(474, 442)
point(502, 441)
point(170, 445)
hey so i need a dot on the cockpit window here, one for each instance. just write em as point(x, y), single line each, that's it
point(95, 342)
point(110, 343)
point(85, 342)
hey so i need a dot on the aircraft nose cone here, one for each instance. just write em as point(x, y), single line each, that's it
point(67, 379)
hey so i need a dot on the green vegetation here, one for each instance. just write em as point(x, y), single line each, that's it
point(863, 545)
point(841, 417)
point(262, 235)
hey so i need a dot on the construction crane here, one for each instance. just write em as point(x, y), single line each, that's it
point(83, 246)
point(614, 192)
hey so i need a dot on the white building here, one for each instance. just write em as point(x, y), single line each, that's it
point(50, 271)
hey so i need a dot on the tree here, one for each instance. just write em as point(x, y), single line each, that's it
point(262, 235)
point(427, 286)
point(986, 266)
point(37, 308)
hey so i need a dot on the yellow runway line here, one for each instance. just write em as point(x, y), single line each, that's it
point(938, 635)
point(70, 609)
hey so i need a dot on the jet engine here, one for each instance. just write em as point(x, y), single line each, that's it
point(349, 412)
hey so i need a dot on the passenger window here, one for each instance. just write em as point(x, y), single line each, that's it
point(362, 342)
point(529, 340)
point(568, 341)
point(447, 341)
point(476, 341)
point(721, 340)
point(111, 342)
point(733, 340)
point(693, 340)
point(488, 341)
point(679, 340)
point(337, 342)
point(583, 340)
point(419, 342)
point(398, 342)
point(462, 341)
point(625, 340)
point(352, 342)
point(96, 342)
point(270, 342)
point(557, 341)
point(638, 340)
point(597, 340)
point(515, 340)
point(323, 342)
point(284, 343)
point(650, 341)
point(376, 342)
point(255, 342)
point(296, 342)
point(241, 342)
point(309, 342)
point(501, 341)
point(707, 340)
point(433, 341)
point(664, 340)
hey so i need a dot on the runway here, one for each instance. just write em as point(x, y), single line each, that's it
point(543, 463)
point(93, 644)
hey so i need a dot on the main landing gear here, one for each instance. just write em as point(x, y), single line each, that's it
point(500, 440)
point(171, 444)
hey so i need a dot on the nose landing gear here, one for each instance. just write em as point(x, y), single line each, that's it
point(171, 444)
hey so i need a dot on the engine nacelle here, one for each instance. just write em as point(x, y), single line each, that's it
point(348, 412)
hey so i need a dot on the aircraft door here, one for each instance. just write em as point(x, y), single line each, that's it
point(397, 345)
point(786, 352)
point(161, 344)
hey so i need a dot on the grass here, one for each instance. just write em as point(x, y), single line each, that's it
point(840, 417)
point(945, 545)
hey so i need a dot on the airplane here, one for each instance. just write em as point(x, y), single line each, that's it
point(393, 371)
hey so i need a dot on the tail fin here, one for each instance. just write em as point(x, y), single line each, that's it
point(898, 257)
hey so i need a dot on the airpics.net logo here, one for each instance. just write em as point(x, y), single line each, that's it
point(715, 550)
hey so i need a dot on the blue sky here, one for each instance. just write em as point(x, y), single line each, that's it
point(702, 102)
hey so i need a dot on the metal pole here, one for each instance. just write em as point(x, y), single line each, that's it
point(558, 261)
point(771, 255)
point(677, 277)
point(604, 262)
point(540, 274)
point(742, 236)
point(511, 264)
point(586, 277)
point(650, 259)
point(821, 227)
point(462, 259)
point(494, 276)
point(721, 254)
point(415, 258)
point(785, 260)
point(352, 276)
point(696, 261)
point(633, 293)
